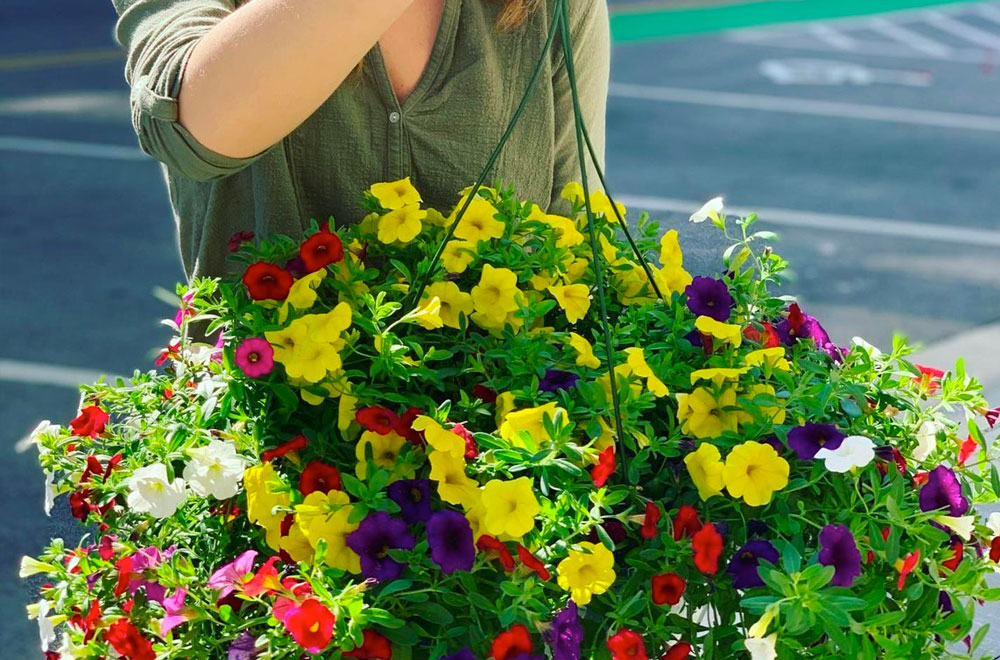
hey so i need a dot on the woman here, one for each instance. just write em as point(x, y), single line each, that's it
point(267, 113)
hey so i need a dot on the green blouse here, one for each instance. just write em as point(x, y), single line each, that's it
point(441, 136)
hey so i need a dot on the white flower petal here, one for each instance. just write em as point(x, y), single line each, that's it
point(710, 210)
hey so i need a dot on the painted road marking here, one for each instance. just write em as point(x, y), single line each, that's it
point(962, 30)
point(34, 373)
point(830, 222)
point(95, 103)
point(958, 55)
point(40, 60)
point(989, 12)
point(791, 105)
point(834, 38)
point(910, 38)
point(68, 148)
point(800, 71)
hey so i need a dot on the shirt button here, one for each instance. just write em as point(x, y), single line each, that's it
point(394, 117)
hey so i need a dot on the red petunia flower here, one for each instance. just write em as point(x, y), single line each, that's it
point(79, 504)
point(375, 647)
point(87, 624)
point(929, 379)
point(668, 588)
point(707, 544)
point(318, 476)
point(992, 416)
point(378, 419)
point(885, 537)
point(627, 645)
point(404, 427)
point(471, 447)
point(909, 563)
point(650, 521)
point(686, 522)
point(484, 394)
point(796, 319)
point(296, 443)
point(767, 337)
point(168, 353)
point(995, 550)
point(511, 643)
point(958, 549)
point(966, 450)
point(128, 641)
point(238, 239)
point(487, 543)
point(921, 478)
point(533, 562)
point(320, 250)
point(605, 467)
point(90, 422)
point(265, 580)
point(679, 651)
point(311, 625)
point(266, 281)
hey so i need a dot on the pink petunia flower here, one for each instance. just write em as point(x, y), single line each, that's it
point(255, 357)
point(233, 575)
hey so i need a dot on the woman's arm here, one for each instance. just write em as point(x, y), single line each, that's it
point(263, 70)
point(250, 76)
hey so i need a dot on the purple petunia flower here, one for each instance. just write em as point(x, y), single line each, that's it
point(809, 438)
point(464, 654)
point(243, 648)
point(709, 297)
point(450, 539)
point(615, 529)
point(942, 491)
point(944, 602)
point(566, 634)
point(413, 497)
point(372, 540)
point(745, 564)
point(840, 551)
point(556, 380)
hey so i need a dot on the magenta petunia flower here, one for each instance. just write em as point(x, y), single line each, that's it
point(230, 577)
point(745, 564)
point(709, 297)
point(372, 540)
point(840, 551)
point(809, 438)
point(255, 357)
point(943, 491)
point(450, 539)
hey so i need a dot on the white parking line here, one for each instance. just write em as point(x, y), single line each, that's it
point(34, 373)
point(910, 38)
point(68, 148)
point(788, 104)
point(989, 12)
point(962, 30)
point(828, 222)
point(834, 38)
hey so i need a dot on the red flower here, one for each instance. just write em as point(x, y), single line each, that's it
point(90, 422)
point(378, 419)
point(650, 521)
point(605, 467)
point(920, 478)
point(374, 647)
point(487, 543)
point(128, 641)
point(533, 562)
point(296, 443)
point(238, 239)
point(627, 645)
point(471, 447)
point(266, 281)
point(707, 544)
point(404, 427)
point(320, 250)
point(87, 624)
point(995, 550)
point(958, 549)
point(311, 625)
point(679, 651)
point(265, 580)
point(511, 644)
point(885, 537)
point(168, 353)
point(668, 588)
point(992, 416)
point(966, 450)
point(484, 394)
point(79, 504)
point(929, 379)
point(909, 563)
point(768, 337)
point(686, 522)
point(318, 476)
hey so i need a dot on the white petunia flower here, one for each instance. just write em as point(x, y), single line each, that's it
point(50, 493)
point(46, 629)
point(215, 469)
point(926, 440)
point(866, 347)
point(963, 526)
point(45, 427)
point(151, 492)
point(70, 651)
point(762, 648)
point(710, 210)
point(855, 451)
point(31, 566)
point(993, 522)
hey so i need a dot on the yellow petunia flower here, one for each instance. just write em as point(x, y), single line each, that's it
point(403, 224)
point(622, 371)
point(542, 282)
point(511, 507)
point(671, 255)
point(328, 327)
point(496, 294)
point(576, 269)
point(439, 438)
point(454, 302)
point(311, 361)
point(671, 279)
point(302, 295)
point(726, 332)
point(385, 451)
point(326, 516)
point(705, 467)
point(588, 573)
point(428, 314)
point(770, 357)
point(718, 375)
point(774, 414)
point(457, 256)
point(608, 250)
point(505, 405)
point(574, 299)
point(479, 222)
point(637, 362)
point(346, 408)
point(568, 235)
point(584, 351)
point(396, 194)
point(754, 471)
point(454, 486)
point(267, 495)
point(296, 545)
point(705, 416)
point(530, 421)
point(600, 204)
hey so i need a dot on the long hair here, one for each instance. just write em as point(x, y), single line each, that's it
point(516, 12)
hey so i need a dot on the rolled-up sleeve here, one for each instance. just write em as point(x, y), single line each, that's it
point(158, 37)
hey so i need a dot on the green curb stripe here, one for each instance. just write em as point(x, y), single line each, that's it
point(638, 26)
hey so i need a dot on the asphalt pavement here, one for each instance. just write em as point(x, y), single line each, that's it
point(872, 144)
